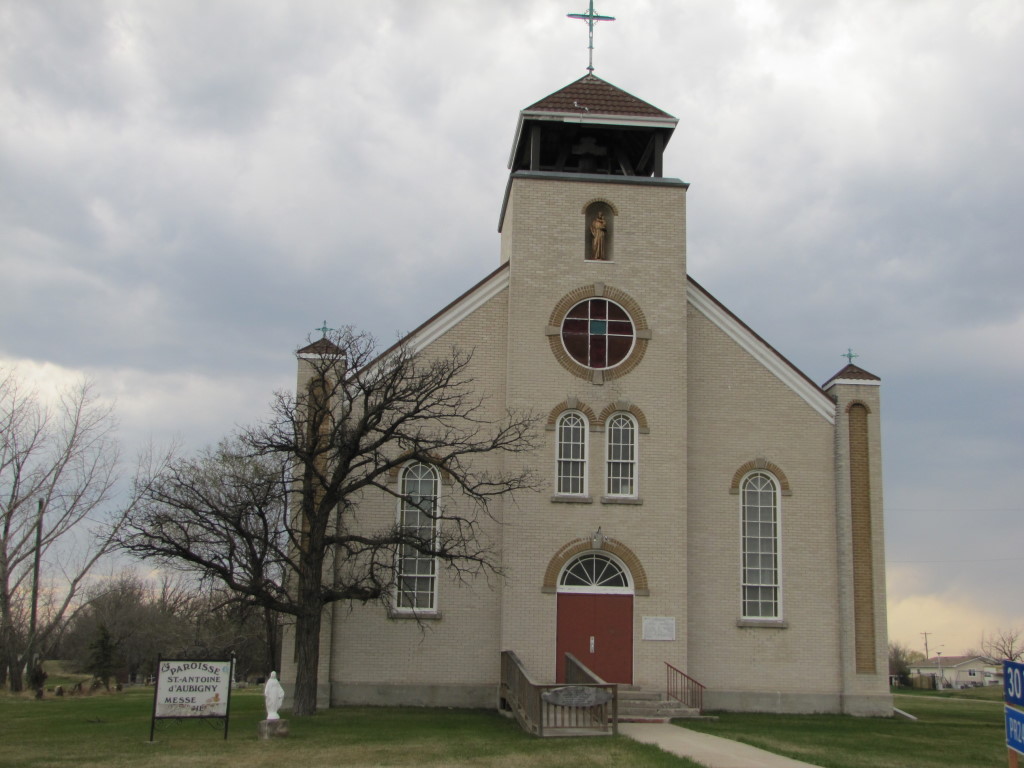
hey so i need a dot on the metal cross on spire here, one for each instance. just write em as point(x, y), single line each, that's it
point(849, 354)
point(591, 17)
point(324, 330)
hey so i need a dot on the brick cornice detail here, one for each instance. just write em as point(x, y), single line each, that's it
point(612, 546)
point(408, 459)
point(621, 407)
point(591, 201)
point(767, 466)
point(570, 404)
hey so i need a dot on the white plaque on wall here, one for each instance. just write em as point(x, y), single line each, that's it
point(659, 627)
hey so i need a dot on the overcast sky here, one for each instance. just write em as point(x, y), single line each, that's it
point(189, 189)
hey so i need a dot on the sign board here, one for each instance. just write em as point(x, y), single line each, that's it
point(1015, 729)
point(192, 688)
point(577, 696)
point(659, 628)
point(1013, 675)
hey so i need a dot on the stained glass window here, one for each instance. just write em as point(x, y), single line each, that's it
point(598, 333)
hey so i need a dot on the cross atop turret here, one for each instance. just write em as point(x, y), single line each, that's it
point(591, 17)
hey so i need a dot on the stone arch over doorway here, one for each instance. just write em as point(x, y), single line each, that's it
point(612, 546)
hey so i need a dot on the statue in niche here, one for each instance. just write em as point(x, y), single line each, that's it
point(598, 234)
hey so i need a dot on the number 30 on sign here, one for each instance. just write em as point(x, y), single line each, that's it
point(1013, 673)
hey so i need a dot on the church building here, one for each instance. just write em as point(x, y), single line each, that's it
point(707, 505)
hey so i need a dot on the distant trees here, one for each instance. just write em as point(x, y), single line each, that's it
point(59, 471)
point(900, 659)
point(136, 619)
point(271, 513)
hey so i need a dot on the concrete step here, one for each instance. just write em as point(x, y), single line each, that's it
point(639, 706)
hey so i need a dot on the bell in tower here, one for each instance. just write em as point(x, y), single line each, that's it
point(592, 127)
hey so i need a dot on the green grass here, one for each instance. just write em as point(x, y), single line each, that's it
point(113, 731)
point(950, 731)
point(986, 693)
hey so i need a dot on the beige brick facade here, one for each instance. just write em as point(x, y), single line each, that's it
point(712, 403)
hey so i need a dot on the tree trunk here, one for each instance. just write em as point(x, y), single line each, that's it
point(307, 661)
point(14, 676)
point(271, 628)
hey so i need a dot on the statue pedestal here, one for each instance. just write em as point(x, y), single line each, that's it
point(273, 729)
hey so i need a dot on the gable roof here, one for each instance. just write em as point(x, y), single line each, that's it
point(498, 280)
point(950, 662)
point(760, 350)
point(451, 314)
point(593, 96)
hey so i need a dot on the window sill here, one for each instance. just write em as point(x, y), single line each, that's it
point(394, 613)
point(634, 500)
point(763, 623)
point(563, 498)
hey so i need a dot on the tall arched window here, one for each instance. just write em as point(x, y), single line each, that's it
point(572, 454)
point(621, 467)
point(760, 519)
point(417, 517)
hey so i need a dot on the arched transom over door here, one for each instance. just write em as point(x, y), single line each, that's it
point(595, 617)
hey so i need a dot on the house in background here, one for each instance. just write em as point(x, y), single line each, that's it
point(960, 671)
point(708, 505)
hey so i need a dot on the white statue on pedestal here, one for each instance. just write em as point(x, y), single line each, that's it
point(273, 695)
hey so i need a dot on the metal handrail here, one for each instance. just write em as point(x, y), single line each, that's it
point(683, 688)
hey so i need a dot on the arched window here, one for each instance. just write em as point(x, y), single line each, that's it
point(594, 572)
point(417, 517)
point(571, 467)
point(759, 500)
point(621, 453)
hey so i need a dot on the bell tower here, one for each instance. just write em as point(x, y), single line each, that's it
point(593, 238)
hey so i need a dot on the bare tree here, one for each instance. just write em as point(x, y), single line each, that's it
point(1004, 644)
point(355, 420)
point(900, 659)
point(58, 482)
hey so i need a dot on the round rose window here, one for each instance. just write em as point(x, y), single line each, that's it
point(598, 333)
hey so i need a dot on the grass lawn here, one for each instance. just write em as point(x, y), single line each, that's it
point(113, 731)
point(960, 728)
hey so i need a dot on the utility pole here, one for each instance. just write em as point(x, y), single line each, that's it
point(926, 656)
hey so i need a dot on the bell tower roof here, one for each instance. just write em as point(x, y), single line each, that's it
point(594, 97)
point(592, 126)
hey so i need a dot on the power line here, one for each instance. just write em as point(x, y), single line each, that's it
point(980, 560)
point(934, 509)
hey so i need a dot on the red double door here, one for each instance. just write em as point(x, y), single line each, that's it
point(598, 630)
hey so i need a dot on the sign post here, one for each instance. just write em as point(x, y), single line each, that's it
point(192, 688)
point(1013, 698)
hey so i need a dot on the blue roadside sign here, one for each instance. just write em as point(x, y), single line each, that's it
point(1015, 729)
point(1013, 674)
